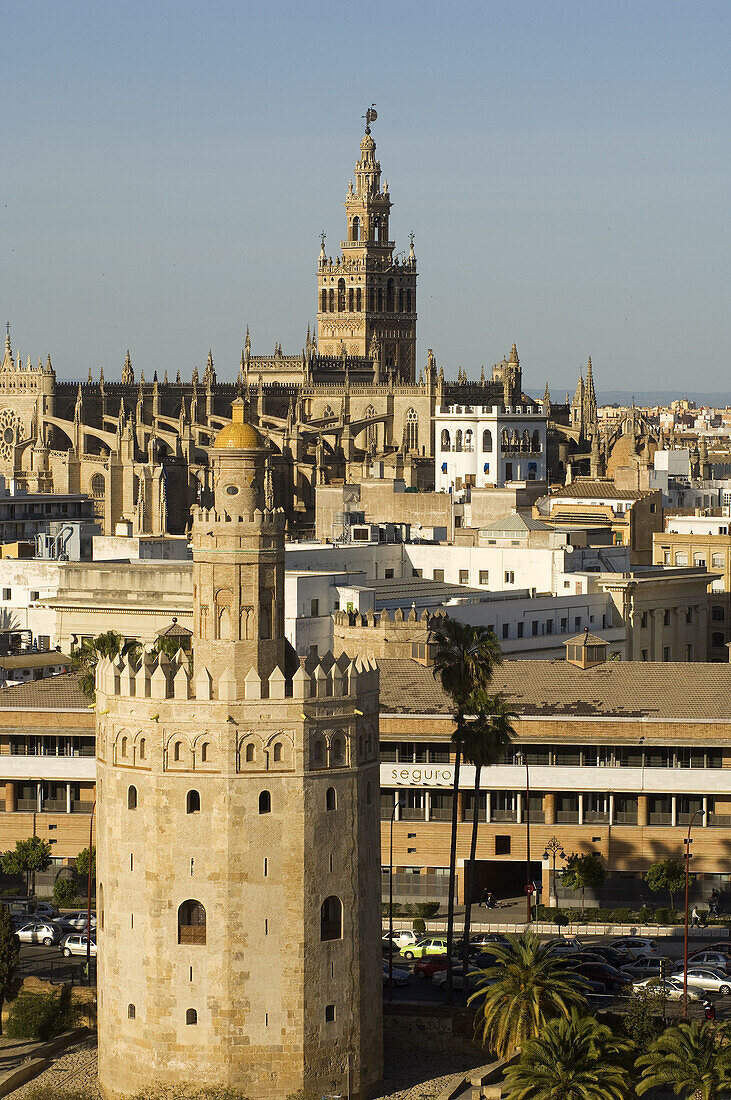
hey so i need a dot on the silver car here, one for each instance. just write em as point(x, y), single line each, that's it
point(75, 944)
point(78, 920)
point(671, 988)
point(703, 977)
point(35, 931)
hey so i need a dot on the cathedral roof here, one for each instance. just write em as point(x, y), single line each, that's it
point(238, 435)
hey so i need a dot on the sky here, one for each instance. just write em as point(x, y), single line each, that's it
point(564, 166)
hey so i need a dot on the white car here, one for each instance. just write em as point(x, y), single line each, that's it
point(566, 945)
point(402, 937)
point(669, 987)
point(703, 977)
point(648, 966)
point(35, 931)
point(716, 960)
point(78, 920)
point(75, 944)
point(636, 946)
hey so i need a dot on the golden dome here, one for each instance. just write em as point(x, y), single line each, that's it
point(238, 435)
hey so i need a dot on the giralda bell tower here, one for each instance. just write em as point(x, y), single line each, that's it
point(366, 300)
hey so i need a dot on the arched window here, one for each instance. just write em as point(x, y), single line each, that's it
point(376, 227)
point(176, 751)
point(317, 755)
point(278, 752)
point(193, 802)
point(468, 440)
point(131, 798)
point(191, 922)
point(265, 802)
point(351, 299)
point(446, 441)
point(265, 617)
point(124, 746)
point(458, 440)
point(505, 440)
point(331, 300)
point(408, 301)
point(389, 296)
point(191, 1016)
point(341, 295)
point(331, 919)
point(369, 793)
point(487, 440)
point(536, 441)
point(250, 753)
point(143, 748)
point(331, 799)
point(204, 752)
point(358, 300)
point(97, 486)
point(323, 301)
point(328, 413)
point(400, 300)
point(412, 431)
point(526, 440)
point(355, 232)
point(131, 1012)
point(337, 752)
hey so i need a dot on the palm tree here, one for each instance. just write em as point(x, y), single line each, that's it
point(84, 660)
point(486, 734)
point(693, 1059)
point(530, 986)
point(464, 659)
point(574, 1058)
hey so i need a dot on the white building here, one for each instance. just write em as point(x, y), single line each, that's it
point(488, 446)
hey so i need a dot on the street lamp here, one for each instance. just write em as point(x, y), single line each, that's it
point(687, 842)
point(396, 805)
point(522, 758)
point(554, 847)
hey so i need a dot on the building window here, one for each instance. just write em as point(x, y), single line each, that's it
point(388, 574)
point(176, 751)
point(191, 1016)
point(193, 802)
point(191, 922)
point(484, 576)
point(464, 576)
point(520, 630)
point(438, 574)
point(506, 630)
point(204, 752)
point(411, 431)
point(666, 653)
point(718, 613)
point(337, 753)
point(132, 798)
point(331, 919)
point(265, 802)
point(249, 754)
point(509, 576)
point(278, 752)
point(331, 799)
point(699, 560)
point(645, 655)
point(143, 748)
point(718, 561)
point(681, 559)
point(717, 640)
point(131, 1013)
point(329, 1013)
point(7, 593)
point(314, 608)
point(502, 845)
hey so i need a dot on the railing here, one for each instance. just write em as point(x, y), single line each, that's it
point(625, 817)
point(660, 819)
point(596, 817)
point(504, 815)
point(442, 814)
point(192, 933)
point(567, 817)
point(409, 813)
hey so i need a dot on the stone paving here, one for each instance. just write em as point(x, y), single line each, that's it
point(409, 1075)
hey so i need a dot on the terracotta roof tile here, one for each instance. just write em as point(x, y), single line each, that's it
point(52, 693)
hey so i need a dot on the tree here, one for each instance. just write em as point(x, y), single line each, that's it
point(693, 1059)
point(581, 871)
point(82, 862)
point(9, 955)
point(464, 659)
point(84, 660)
point(532, 986)
point(574, 1058)
point(667, 874)
point(64, 892)
point(486, 733)
point(26, 858)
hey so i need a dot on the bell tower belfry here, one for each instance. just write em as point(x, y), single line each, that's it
point(367, 296)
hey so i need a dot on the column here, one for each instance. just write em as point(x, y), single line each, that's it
point(460, 805)
point(39, 797)
point(488, 807)
point(581, 808)
point(519, 807)
point(611, 809)
point(10, 797)
point(68, 798)
point(705, 811)
point(673, 810)
point(427, 805)
point(397, 815)
point(657, 634)
point(549, 805)
point(642, 810)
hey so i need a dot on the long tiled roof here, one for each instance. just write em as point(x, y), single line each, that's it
point(52, 693)
point(598, 490)
point(619, 689)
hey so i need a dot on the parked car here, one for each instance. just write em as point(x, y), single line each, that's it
point(44, 932)
point(402, 937)
point(45, 909)
point(77, 919)
point(76, 943)
point(670, 987)
point(474, 977)
point(430, 964)
point(636, 946)
point(715, 959)
point(704, 977)
point(613, 980)
point(430, 945)
point(484, 960)
point(485, 939)
point(648, 966)
point(566, 945)
point(610, 955)
point(723, 945)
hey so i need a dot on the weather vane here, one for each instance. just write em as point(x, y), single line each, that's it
point(323, 235)
point(370, 116)
point(411, 238)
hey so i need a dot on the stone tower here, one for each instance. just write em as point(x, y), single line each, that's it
point(366, 298)
point(238, 833)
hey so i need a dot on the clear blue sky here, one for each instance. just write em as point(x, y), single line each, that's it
point(564, 166)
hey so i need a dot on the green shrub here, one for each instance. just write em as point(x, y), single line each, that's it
point(559, 918)
point(666, 916)
point(426, 908)
point(645, 915)
point(64, 893)
point(621, 916)
point(41, 1015)
point(419, 925)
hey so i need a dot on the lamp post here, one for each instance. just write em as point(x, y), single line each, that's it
point(554, 847)
point(522, 758)
point(397, 803)
point(687, 842)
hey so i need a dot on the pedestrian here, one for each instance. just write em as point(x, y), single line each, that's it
point(484, 896)
point(713, 902)
point(490, 901)
point(710, 1010)
point(695, 919)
